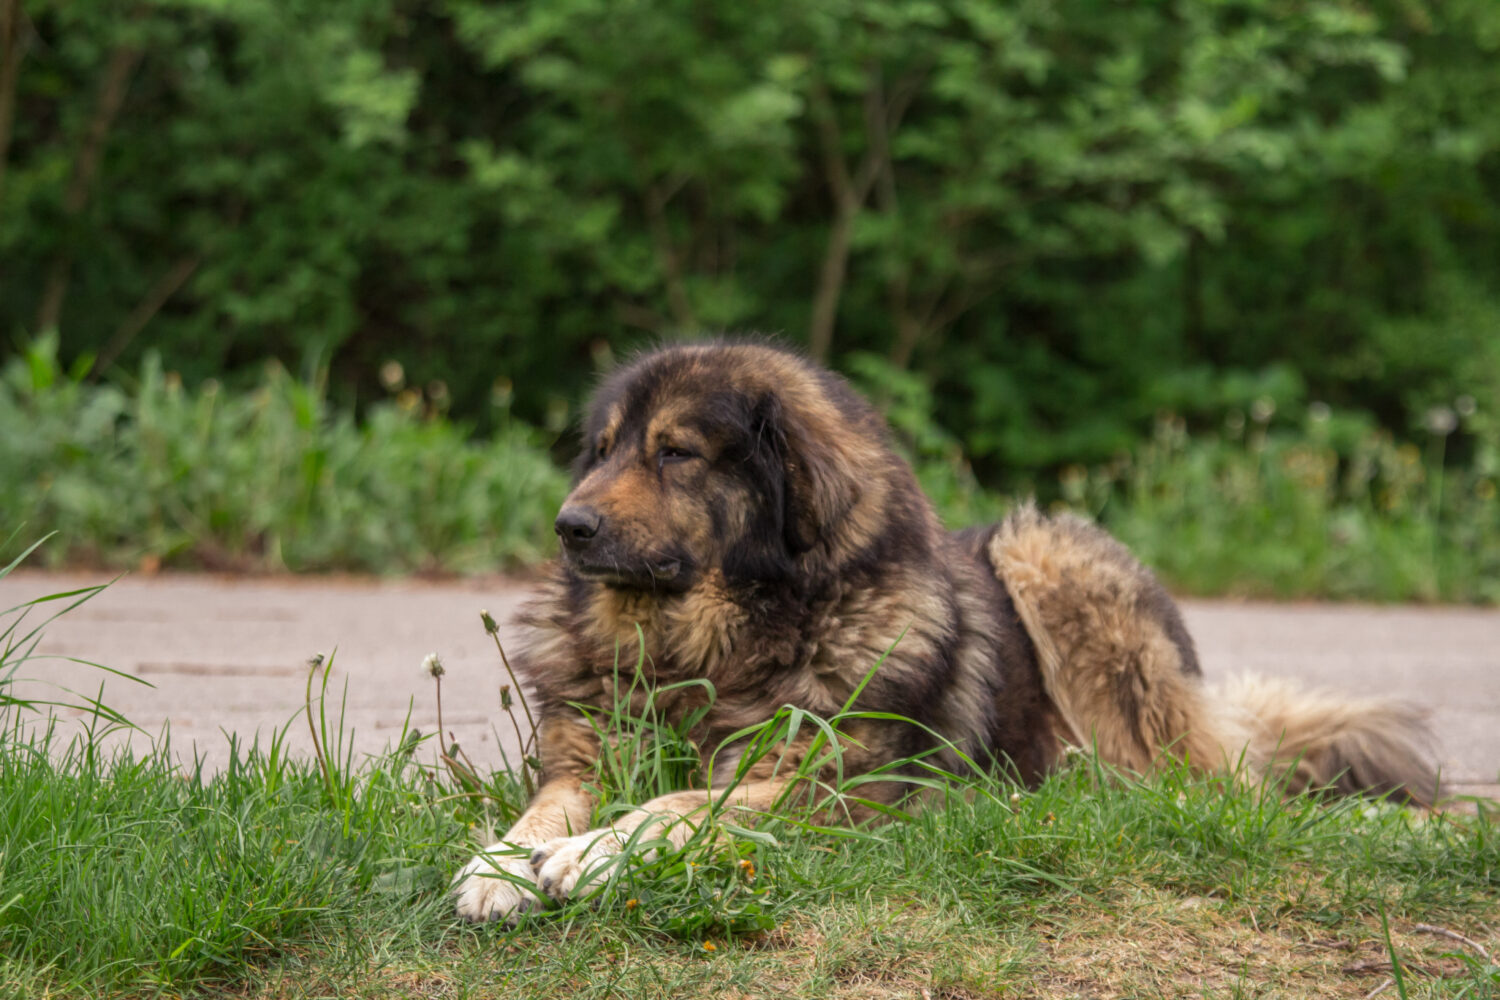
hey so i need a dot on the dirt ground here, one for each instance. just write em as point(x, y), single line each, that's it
point(229, 655)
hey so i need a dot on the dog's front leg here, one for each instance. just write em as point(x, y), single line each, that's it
point(498, 883)
point(580, 862)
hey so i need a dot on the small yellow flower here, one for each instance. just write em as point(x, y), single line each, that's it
point(710, 946)
point(631, 904)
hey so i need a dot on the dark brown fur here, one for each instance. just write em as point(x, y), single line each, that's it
point(738, 515)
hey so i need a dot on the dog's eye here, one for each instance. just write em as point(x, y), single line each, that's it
point(600, 451)
point(670, 454)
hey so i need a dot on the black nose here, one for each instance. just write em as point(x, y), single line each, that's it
point(577, 526)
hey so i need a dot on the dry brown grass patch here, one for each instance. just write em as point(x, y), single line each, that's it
point(1159, 944)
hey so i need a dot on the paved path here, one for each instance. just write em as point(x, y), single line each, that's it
point(228, 654)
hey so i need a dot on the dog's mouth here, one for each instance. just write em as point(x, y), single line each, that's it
point(647, 574)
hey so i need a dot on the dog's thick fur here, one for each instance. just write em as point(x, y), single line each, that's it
point(741, 512)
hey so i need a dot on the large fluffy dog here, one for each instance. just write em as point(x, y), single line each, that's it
point(742, 512)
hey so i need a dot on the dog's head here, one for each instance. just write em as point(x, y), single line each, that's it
point(736, 458)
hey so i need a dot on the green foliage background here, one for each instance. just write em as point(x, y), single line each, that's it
point(1059, 222)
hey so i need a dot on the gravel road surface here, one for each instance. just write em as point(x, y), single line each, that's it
point(228, 655)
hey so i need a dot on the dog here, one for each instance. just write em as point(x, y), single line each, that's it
point(739, 515)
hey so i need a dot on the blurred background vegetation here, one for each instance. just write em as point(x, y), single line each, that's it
point(1223, 273)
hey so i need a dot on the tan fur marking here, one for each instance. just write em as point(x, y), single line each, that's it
point(561, 808)
point(679, 814)
point(669, 428)
point(628, 496)
point(567, 745)
point(616, 615)
point(1118, 682)
point(1115, 675)
point(700, 629)
point(611, 428)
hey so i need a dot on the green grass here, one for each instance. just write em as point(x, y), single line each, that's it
point(126, 877)
point(290, 877)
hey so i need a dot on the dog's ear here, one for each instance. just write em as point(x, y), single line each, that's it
point(819, 482)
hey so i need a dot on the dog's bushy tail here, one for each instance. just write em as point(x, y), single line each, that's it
point(1119, 664)
point(1311, 738)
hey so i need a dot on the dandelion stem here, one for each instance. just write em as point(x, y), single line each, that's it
point(521, 741)
point(520, 694)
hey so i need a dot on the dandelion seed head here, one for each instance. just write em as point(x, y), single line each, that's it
point(1440, 421)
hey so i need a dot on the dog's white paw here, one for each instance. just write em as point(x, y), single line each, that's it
point(576, 864)
point(487, 887)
